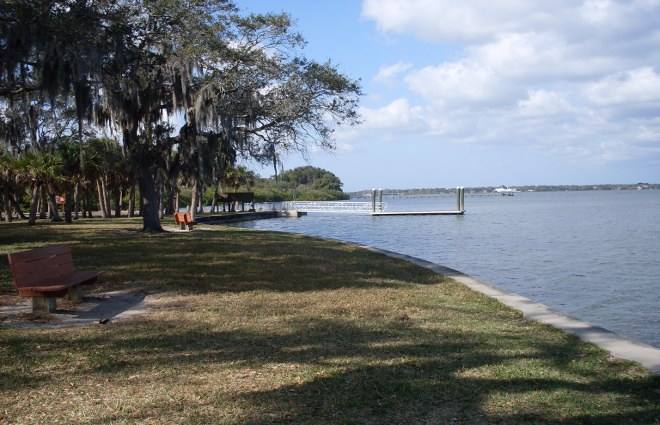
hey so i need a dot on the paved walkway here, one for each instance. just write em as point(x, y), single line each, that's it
point(95, 308)
point(618, 345)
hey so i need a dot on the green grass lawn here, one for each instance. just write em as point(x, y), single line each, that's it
point(255, 327)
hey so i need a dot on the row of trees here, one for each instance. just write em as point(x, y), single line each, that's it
point(187, 87)
point(99, 177)
point(43, 174)
point(304, 183)
point(523, 188)
point(313, 177)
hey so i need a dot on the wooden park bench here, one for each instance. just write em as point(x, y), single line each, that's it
point(183, 220)
point(46, 273)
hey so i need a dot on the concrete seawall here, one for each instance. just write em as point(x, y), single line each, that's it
point(625, 348)
point(622, 347)
point(234, 217)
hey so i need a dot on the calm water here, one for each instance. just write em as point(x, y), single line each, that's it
point(593, 255)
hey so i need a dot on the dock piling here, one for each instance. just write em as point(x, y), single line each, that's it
point(458, 199)
point(462, 202)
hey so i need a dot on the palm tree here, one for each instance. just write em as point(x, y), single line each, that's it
point(8, 176)
point(225, 158)
point(43, 171)
point(235, 177)
point(71, 155)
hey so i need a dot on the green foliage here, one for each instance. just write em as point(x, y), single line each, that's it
point(309, 183)
point(240, 176)
point(306, 194)
point(313, 177)
point(240, 80)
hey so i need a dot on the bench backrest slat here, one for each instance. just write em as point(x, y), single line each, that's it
point(30, 267)
point(179, 218)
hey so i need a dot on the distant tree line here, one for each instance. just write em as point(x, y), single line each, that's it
point(577, 188)
point(523, 188)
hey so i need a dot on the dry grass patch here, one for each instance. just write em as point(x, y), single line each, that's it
point(252, 327)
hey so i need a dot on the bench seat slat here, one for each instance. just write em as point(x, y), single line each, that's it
point(47, 291)
point(61, 284)
point(35, 254)
point(32, 266)
point(34, 272)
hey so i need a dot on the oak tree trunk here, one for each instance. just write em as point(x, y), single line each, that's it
point(149, 201)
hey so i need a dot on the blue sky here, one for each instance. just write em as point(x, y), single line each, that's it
point(483, 93)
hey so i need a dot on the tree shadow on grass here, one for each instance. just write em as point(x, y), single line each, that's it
point(341, 372)
point(392, 372)
point(249, 263)
point(232, 260)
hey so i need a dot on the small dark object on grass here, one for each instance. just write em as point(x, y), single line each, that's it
point(104, 321)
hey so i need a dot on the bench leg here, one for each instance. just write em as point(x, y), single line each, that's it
point(190, 227)
point(75, 294)
point(43, 305)
point(182, 226)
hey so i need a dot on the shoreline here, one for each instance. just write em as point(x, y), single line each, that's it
point(578, 270)
point(619, 346)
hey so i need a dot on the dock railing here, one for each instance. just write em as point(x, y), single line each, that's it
point(335, 206)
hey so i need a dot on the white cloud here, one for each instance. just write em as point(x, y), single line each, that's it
point(649, 134)
point(536, 57)
point(577, 79)
point(460, 84)
point(398, 115)
point(619, 17)
point(388, 74)
point(599, 11)
point(543, 103)
point(640, 85)
point(478, 21)
point(449, 20)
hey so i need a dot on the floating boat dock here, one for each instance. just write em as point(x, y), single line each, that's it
point(376, 207)
point(387, 213)
point(380, 212)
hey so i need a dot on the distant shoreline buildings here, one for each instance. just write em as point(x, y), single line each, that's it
point(498, 190)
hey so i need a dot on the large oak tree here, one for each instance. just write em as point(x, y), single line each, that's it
point(229, 82)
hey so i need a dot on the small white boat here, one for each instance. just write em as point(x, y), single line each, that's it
point(506, 191)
